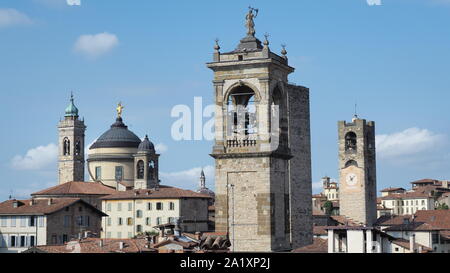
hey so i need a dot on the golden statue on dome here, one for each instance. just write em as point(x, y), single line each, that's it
point(119, 109)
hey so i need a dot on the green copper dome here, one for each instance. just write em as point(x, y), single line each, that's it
point(71, 110)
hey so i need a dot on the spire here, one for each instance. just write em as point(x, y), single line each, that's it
point(71, 110)
point(202, 180)
point(355, 116)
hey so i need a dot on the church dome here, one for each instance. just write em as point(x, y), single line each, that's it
point(71, 110)
point(146, 146)
point(117, 137)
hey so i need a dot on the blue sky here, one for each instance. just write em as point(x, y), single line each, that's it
point(391, 59)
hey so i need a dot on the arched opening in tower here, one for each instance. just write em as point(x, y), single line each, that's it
point(241, 112)
point(350, 142)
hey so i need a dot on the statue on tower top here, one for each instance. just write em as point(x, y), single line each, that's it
point(119, 110)
point(250, 24)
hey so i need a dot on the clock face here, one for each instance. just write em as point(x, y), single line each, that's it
point(351, 179)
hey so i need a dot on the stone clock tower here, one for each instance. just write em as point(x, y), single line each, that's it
point(262, 148)
point(71, 146)
point(357, 165)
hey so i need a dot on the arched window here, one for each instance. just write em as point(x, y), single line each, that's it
point(140, 169)
point(278, 122)
point(241, 116)
point(350, 142)
point(351, 163)
point(66, 146)
point(78, 148)
point(151, 169)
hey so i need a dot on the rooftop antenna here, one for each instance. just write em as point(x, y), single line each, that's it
point(355, 116)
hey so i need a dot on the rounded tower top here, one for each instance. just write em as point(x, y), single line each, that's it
point(146, 146)
point(71, 110)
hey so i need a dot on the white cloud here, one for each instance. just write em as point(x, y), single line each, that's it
point(74, 2)
point(38, 158)
point(96, 45)
point(161, 148)
point(188, 179)
point(10, 17)
point(374, 2)
point(408, 142)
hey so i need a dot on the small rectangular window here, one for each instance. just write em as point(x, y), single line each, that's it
point(149, 206)
point(23, 221)
point(108, 221)
point(119, 173)
point(171, 206)
point(159, 206)
point(13, 221)
point(98, 173)
point(4, 221)
point(12, 241)
point(108, 207)
point(66, 222)
point(130, 206)
point(119, 235)
point(120, 221)
point(32, 242)
point(41, 221)
point(119, 207)
point(32, 221)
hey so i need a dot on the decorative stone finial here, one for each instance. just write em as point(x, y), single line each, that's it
point(119, 109)
point(250, 24)
point(283, 50)
point(266, 41)
point(216, 46)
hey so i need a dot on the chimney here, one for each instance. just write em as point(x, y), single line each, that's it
point(50, 201)
point(412, 243)
point(445, 184)
point(100, 243)
point(86, 234)
point(32, 202)
point(121, 245)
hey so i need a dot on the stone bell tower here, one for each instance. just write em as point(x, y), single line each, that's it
point(262, 148)
point(146, 166)
point(357, 167)
point(71, 146)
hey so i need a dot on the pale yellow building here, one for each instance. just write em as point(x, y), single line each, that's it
point(134, 212)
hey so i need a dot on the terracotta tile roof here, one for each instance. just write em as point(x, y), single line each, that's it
point(185, 245)
point(392, 189)
point(319, 245)
point(445, 234)
point(406, 244)
point(320, 230)
point(77, 188)
point(425, 181)
point(423, 220)
point(92, 245)
point(40, 206)
point(342, 220)
point(422, 192)
point(161, 193)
